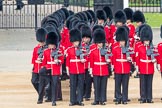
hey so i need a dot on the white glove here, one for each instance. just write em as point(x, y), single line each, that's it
point(137, 69)
point(154, 60)
point(112, 68)
point(83, 60)
point(108, 60)
point(56, 61)
point(67, 71)
point(90, 72)
point(158, 67)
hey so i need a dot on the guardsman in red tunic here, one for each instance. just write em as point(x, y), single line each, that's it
point(139, 18)
point(109, 27)
point(75, 68)
point(120, 20)
point(86, 41)
point(52, 60)
point(129, 23)
point(99, 67)
point(122, 58)
point(37, 57)
point(159, 60)
point(146, 60)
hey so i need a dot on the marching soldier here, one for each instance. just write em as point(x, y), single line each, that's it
point(139, 18)
point(121, 58)
point(75, 68)
point(37, 57)
point(52, 61)
point(120, 20)
point(86, 41)
point(99, 67)
point(110, 27)
point(146, 59)
point(129, 23)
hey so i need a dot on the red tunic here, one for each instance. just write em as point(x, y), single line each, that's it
point(98, 63)
point(48, 62)
point(159, 60)
point(121, 65)
point(136, 47)
point(131, 34)
point(73, 63)
point(146, 66)
point(36, 65)
point(65, 41)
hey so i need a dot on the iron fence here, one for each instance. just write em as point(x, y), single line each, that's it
point(149, 6)
point(30, 16)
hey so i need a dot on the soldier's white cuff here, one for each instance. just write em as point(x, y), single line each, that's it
point(158, 67)
point(137, 69)
point(67, 71)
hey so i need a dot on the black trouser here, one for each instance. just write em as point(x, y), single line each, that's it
point(35, 81)
point(59, 91)
point(121, 80)
point(54, 83)
point(100, 88)
point(146, 86)
point(76, 87)
point(87, 84)
point(43, 81)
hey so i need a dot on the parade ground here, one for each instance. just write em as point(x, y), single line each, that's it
point(16, 90)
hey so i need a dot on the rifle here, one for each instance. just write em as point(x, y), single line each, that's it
point(108, 23)
point(103, 52)
point(40, 51)
point(61, 25)
point(150, 52)
point(125, 50)
point(55, 54)
point(92, 25)
point(79, 52)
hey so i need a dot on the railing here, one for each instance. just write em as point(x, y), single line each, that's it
point(154, 6)
point(30, 16)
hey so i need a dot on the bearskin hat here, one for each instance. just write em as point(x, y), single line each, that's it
point(138, 16)
point(41, 34)
point(71, 12)
point(101, 15)
point(99, 36)
point(75, 35)
point(129, 13)
point(49, 28)
point(86, 31)
point(52, 38)
point(146, 33)
point(66, 12)
point(161, 31)
point(88, 16)
point(97, 26)
point(92, 14)
point(80, 24)
point(85, 18)
point(108, 12)
point(121, 34)
point(120, 16)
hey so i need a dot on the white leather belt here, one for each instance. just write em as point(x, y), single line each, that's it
point(75, 60)
point(37, 61)
point(121, 60)
point(100, 63)
point(146, 61)
point(51, 63)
